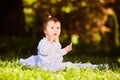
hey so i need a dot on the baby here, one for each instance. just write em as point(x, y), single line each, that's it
point(50, 53)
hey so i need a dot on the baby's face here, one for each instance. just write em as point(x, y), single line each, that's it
point(53, 29)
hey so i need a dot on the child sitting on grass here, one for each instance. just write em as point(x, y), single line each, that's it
point(50, 54)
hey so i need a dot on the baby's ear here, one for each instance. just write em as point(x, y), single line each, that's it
point(44, 31)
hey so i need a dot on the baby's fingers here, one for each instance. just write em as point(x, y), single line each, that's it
point(70, 46)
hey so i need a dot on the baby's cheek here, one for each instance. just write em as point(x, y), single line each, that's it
point(58, 34)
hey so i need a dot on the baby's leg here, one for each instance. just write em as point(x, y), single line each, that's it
point(85, 65)
point(30, 61)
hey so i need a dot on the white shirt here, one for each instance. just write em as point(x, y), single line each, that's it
point(50, 57)
point(50, 52)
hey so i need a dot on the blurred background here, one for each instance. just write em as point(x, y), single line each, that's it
point(91, 25)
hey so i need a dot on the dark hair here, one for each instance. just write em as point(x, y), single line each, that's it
point(47, 19)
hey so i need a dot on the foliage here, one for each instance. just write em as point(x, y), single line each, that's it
point(85, 18)
point(12, 70)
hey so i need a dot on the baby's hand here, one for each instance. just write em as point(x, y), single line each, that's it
point(51, 39)
point(69, 47)
point(56, 38)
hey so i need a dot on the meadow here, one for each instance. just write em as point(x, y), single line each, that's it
point(14, 48)
point(9, 70)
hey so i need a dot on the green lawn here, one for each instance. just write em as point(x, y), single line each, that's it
point(11, 71)
point(12, 49)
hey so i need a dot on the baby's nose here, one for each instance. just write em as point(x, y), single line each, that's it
point(55, 30)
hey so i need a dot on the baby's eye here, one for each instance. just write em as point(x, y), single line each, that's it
point(52, 27)
point(58, 28)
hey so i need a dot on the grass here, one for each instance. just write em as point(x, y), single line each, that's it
point(11, 71)
point(14, 48)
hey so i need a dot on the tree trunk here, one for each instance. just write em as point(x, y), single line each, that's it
point(11, 18)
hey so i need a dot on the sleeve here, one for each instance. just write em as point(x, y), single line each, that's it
point(63, 51)
point(44, 48)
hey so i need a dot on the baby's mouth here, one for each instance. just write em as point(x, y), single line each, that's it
point(55, 33)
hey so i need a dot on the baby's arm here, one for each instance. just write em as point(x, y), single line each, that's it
point(67, 49)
